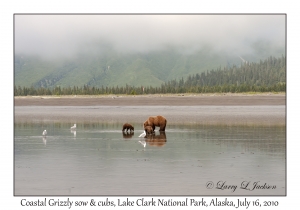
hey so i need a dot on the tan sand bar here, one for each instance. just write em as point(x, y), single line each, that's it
point(200, 109)
point(228, 99)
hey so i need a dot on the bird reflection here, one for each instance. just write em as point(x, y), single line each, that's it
point(143, 143)
point(45, 140)
point(74, 132)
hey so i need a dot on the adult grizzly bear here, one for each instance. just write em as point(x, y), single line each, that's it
point(127, 127)
point(149, 130)
point(159, 121)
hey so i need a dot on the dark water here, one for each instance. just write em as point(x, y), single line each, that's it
point(98, 159)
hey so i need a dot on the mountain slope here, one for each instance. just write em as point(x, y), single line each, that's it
point(110, 68)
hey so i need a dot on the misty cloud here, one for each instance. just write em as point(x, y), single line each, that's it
point(50, 35)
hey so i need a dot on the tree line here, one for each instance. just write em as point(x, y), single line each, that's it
point(265, 76)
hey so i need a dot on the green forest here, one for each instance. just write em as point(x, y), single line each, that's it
point(268, 75)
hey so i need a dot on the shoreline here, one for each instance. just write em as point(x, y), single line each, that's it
point(207, 109)
point(225, 99)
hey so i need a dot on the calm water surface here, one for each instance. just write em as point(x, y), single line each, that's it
point(98, 159)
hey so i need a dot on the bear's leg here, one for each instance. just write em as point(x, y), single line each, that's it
point(162, 128)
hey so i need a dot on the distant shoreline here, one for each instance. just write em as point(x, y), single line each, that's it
point(159, 95)
point(187, 99)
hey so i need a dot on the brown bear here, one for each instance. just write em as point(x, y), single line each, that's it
point(149, 130)
point(159, 121)
point(127, 127)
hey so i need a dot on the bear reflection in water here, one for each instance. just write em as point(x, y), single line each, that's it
point(153, 139)
point(158, 140)
point(127, 135)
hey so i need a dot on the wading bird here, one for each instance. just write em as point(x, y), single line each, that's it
point(74, 126)
point(143, 134)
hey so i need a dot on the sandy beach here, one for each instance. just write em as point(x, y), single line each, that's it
point(228, 99)
point(229, 109)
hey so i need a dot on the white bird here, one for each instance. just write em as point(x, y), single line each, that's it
point(143, 143)
point(44, 133)
point(73, 127)
point(143, 134)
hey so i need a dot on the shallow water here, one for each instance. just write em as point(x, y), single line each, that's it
point(98, 159)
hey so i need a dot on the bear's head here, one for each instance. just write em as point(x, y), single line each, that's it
point(146, 123)
point(149, 130)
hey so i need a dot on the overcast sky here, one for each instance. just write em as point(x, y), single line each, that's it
point(67, 34)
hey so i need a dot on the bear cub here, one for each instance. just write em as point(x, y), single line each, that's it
point(127, 127)
point(149, 130)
